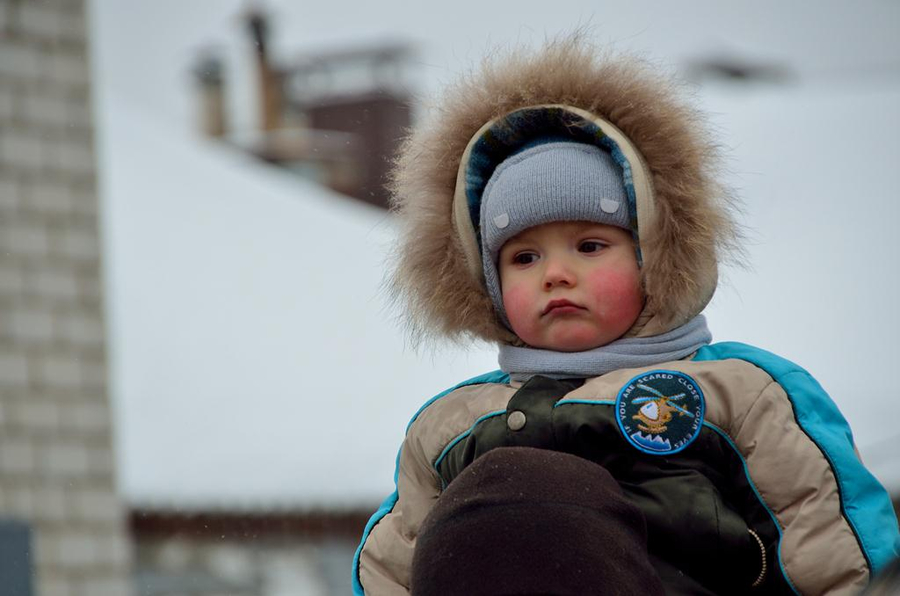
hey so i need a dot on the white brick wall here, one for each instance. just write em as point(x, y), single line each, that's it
point(19, 61)
point(68, 68)
point(55, 284)
point(61, 372)
point(20, 149)
point(55, 586)
point(80, 330)
point(30, 325)
point(17, 456)
point(35, 414)
point(6, 104)
point(80, 243)
point(56, 459)
point(90, 417)
point(50, 505)
point(41, 109)
point(40, 20)
point(9, 193)
point(13, 371)
point(50, 198)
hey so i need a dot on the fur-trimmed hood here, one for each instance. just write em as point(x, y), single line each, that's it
point(684, 224)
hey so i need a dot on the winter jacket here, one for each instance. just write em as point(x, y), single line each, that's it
point(764, 449)
point(772, 455)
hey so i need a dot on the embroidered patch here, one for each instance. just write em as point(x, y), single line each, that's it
point(660, 412)
point(502, 220)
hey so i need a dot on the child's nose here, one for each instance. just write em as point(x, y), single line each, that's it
point(558, 273)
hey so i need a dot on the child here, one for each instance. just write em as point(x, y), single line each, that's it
point(566, 208)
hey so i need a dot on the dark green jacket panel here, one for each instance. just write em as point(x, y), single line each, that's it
point(698, 504)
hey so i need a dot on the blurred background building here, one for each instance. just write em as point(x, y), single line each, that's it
point(333, 117)
point(62, 524)
point(334, 120)
point(202, 389)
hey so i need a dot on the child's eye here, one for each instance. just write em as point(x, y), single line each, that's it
point(524, 258)
point(590, 246)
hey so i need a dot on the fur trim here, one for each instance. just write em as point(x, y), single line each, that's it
point(692, 229)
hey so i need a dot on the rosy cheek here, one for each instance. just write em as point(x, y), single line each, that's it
point(618, 292)
point(519, 305)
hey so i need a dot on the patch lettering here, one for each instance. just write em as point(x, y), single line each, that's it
point(660, 412)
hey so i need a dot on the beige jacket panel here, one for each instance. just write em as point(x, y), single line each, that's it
point(384, 563)
point(454, 414)
point(386, 557)
point(819, 550)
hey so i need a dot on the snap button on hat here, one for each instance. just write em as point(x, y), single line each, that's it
point(609, 205)
point(515, 420)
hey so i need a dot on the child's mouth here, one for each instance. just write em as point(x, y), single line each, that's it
point(561, 307)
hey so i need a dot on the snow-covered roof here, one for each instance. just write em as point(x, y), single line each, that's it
point(255, 364)
point(252, 357)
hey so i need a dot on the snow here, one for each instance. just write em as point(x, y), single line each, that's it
point(253, 361)
point(817, 170)
point(253, 357)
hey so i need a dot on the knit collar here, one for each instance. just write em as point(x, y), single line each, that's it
point(522, 363)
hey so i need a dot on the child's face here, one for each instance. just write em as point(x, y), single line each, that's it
point(570, 286)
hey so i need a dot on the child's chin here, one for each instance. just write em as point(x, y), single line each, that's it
point(576, 347)
point(565, 336)
point(575, 344)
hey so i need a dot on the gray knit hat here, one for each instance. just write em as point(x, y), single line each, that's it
point(555, 181)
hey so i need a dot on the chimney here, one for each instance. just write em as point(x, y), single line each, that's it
point(269, 78)
point(210, 76)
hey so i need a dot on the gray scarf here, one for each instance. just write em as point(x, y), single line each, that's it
point(632, 352)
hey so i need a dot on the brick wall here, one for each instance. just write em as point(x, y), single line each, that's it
point(56, 461)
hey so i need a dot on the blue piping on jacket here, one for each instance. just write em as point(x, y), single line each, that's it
point(459, 438)
point(864, 502)
point(765, 505)
point(388, 504)
point(590, 402)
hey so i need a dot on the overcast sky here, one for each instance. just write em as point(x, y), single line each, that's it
point(208, 252)
point(146, 49)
